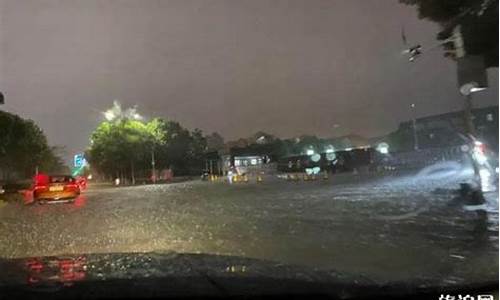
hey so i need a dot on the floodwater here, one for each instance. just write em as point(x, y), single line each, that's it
point(385, 228)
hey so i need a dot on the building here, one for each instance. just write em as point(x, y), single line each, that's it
point(244, 158)
point(445, 130)
point(253, 159)
point(348, 142)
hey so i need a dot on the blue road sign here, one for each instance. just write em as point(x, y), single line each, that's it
point(79, 160)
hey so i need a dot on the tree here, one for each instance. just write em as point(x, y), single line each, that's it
point(197, 150)
point(174, 151)
point(24, 147)
point(306, 142)
point(215, 142)
point(180, 150)
point(261, 137)
point(120, 147)
point(52, 161)
point(124, 144)
point(478, 20)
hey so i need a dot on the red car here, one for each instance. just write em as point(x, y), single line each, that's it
point(55, 188)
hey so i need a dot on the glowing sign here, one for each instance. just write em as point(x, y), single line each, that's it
point(79, 160)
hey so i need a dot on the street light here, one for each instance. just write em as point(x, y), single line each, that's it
point(117, 113)
point(472, 78)
point(383, 148)
point(109, 115)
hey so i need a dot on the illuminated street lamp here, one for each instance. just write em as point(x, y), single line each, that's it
point(109, 115)
point(383, 148)
point(117, 113)
point(472, 78)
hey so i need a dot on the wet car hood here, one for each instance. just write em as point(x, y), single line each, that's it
point(152, 275)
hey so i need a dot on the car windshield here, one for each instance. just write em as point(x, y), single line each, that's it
point(358, 137)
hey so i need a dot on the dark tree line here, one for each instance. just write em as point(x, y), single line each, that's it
point(24, 148)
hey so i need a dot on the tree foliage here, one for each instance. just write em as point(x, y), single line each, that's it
point(118, 147)
point(277, 148)
point(126, 146)
point(478, 20)
point(215, 142)
point(24, 147)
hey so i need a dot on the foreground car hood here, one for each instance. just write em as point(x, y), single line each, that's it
point(187, 275)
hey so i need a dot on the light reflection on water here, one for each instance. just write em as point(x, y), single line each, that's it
point(390, 228)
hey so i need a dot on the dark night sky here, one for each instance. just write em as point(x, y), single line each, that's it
point(236, 67)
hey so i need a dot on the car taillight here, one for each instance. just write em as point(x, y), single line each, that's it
point(40, 187)
point(71, 186)
point(34, 265)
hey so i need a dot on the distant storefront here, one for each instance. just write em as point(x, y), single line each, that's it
point(253, 164)
point(250, 161)
point(334, 162)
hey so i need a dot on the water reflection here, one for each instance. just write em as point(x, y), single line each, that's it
point(55, 270)
point(480, 227)
point(71, 205)
point(28, 196)
point(80, 201)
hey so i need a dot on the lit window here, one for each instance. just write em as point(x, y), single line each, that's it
point(489, 117)
point(237, 162)
point(253, 161)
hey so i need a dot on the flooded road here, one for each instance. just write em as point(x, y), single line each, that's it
point(391, 228)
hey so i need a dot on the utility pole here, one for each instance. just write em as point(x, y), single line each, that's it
point(153, 171)
point(472, 77)
point(414, 121)
point(469, 123)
